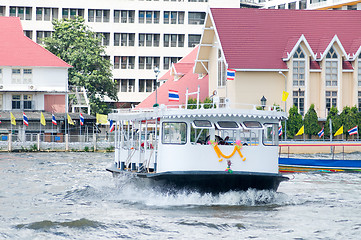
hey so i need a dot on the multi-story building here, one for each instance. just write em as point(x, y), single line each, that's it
point(139, 34)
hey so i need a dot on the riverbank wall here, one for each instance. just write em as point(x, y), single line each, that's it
point(327, 147)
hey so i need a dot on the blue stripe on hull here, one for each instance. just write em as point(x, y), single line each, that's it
point(354, 164)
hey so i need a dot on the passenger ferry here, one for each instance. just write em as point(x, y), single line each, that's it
point(207, 150)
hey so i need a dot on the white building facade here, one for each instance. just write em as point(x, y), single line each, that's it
point(139, 34)
point(27, 88)
point(309, 4)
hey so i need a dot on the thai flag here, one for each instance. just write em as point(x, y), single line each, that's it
point(321, 133)
point(53, 120)
point(231, 74)
point(112, 126)
point(173, 96)
point(353, 131)
point(81, 119)
point(25, 119)
point(280, 131)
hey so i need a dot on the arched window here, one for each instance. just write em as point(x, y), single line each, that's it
point(331, 68)
point(299, 68)
point(221, 70)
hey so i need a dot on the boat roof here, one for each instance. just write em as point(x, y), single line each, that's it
point(178, 113)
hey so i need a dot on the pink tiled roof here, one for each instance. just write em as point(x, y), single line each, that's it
point(189, 80)
point(314, 65)
point(259, 38)
point(18, 50)
point(347, 65)
point(182, 68)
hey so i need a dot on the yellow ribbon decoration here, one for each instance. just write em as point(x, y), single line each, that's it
point(219, 152)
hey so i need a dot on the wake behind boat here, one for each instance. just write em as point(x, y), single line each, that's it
point(207, 150)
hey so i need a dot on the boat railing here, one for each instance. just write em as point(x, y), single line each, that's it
point(225, 104)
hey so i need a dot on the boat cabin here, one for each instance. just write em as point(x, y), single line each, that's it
point(202, 140)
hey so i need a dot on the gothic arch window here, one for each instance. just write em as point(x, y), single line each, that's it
point(331, 68)
point(299, 63)
point(331, 54)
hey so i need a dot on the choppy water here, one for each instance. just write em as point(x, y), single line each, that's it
point(71, 196)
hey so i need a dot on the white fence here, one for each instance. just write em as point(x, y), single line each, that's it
point(59, 142)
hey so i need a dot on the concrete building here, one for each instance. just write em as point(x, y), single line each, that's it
point(139, 34)
point(273, 51)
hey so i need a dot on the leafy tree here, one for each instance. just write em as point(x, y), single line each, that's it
point(348, 118)
point(74, 42)
point(311, 121)
point(192, 103)
point(208, 103)
point(294, 122)
point(335, 119)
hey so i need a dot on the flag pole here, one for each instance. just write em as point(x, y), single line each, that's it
point(66, 118)
point(80, 126)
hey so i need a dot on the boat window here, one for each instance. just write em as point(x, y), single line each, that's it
point(252, 124)
point(174, 133)
point(199, 135)
point(227, 125)
point(250, 137)
point(270, 134)
point(202, 124)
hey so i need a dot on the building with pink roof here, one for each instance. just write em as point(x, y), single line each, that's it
point(312, 55)
point(179, 78)
point(32, 79)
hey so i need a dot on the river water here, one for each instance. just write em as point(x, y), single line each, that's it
point(71, 196)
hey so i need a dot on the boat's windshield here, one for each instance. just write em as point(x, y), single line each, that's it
point(226, 132)
point(174, 133)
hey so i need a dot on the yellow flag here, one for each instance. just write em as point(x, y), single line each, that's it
point(102, 118)
point(301, 131)
point(13, 121)
point(284, 96)
point(42, 119)
point(70, 121)
point(339, 131)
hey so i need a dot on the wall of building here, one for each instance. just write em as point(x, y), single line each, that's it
point(41, 81)
point(250, 87)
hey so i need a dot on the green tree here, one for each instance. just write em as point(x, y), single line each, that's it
point(311, 121)
point(192, 103)
point(208, 103)
point(348, 118)
point(294, 122)
point(74, 42)
point(335, 119)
